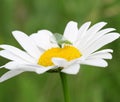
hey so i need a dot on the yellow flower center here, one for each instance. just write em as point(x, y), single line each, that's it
point(67, 52)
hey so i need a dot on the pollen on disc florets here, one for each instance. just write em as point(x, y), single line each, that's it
point(67, 52)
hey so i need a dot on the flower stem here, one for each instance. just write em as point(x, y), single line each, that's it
point(65, 87)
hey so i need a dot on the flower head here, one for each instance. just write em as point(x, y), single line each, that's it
point(44, 51)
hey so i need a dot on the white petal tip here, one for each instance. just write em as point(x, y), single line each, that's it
point(72, 73)
point(1, 67)
point(104, 65)
point(16, 32)
point(1, 80)
point(73, 69)
point(102, 23)
point(111, 51)
point(113, 29)
point(117, 35)
point(89, 22)
point(42, 70)
point(44, 31)
point(39, 72)
point(72, 22)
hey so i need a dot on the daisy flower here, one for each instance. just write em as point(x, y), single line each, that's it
point(44, 51)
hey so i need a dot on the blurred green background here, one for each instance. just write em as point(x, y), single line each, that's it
point(92, 84)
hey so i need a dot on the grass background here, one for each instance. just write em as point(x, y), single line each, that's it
point(92, 84)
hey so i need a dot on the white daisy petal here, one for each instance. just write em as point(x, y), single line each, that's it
point(101, 55)
point(11, 56)
point(11, 65)
point(108, 38)
point(1, 66)
point(83, 30)
point(91, 32)
point(27, 67)
point(71, 32)
point(96, 37)
point(105, 31)
point(19, 53)
point(35, 68)
point(9, 75)
point(95, 62)
point(72, 69)
point(44, 39)
point(103, 51)
point(95, 28)
point(60, 62)
point(27, 43)
point(81, 34)
point(105, 54)
point(18, 69)
point(44, 69)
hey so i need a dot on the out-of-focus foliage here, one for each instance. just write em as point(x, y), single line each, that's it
point(91, 84)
